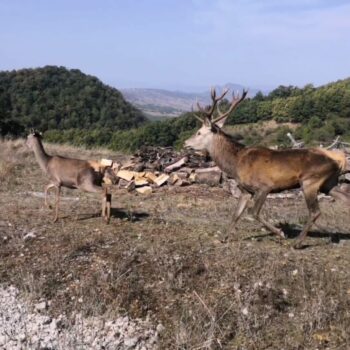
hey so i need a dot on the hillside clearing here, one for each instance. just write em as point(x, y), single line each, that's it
point(161, 258)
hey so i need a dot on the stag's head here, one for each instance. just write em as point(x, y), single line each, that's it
point(202, 139)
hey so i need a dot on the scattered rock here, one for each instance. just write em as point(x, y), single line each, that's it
point(22, 329)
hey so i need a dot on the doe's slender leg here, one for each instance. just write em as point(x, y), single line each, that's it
point(58, 194)
point(46, 193)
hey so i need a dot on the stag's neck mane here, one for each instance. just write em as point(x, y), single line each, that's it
point(224, 152)
point(41, 156)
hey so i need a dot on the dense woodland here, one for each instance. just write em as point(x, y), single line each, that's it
point(70, 106)
point(58, 98)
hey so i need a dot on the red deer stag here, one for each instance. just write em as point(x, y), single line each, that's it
point(260, 171)
point(72, 173)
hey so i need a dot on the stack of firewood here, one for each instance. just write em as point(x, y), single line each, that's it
point(153, 167)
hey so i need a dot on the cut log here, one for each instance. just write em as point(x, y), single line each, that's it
point(192, 177)
point(122, 183)
point(128, 165)
point(115, 167)
point(281, 195)
point(186, 170)
point(139, 174)
point(173, 179)
point(125, 175)
point(182, 175)
point(144, 190)
point(130, 186)
point(139, 167)
point(211, 176)
point(182, 182)
point(106, 162)
point(161, 179)
point(176, 165)
point(205, 170)
point(150, 176)
point(141, 181)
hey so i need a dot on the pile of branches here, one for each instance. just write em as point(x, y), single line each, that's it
point(150, 158)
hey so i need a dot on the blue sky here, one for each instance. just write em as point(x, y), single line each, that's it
point(181, 44)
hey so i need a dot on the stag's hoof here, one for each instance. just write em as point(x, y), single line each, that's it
point(298, 245)
point(281, 234)
point(224, 238)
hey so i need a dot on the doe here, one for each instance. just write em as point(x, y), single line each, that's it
point(72, 173)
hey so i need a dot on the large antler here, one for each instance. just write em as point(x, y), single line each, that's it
point(209, 112)
point(236, 100)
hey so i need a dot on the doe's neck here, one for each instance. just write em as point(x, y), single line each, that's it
point(40, 154)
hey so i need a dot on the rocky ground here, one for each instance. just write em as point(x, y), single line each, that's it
point(25, 327)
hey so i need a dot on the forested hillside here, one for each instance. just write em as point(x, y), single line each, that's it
point(321, 113)
point(58, 98)
point(70, 106)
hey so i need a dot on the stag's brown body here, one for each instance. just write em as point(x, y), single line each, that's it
point(71, 173)
point(260, 168)
point(260, 171)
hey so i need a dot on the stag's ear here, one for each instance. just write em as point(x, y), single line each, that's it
point(221, 122)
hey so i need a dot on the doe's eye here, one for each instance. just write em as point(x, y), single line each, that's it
point(198, 133)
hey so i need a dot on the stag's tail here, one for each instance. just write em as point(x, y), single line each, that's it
point(339, 157)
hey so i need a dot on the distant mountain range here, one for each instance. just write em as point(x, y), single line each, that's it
point(165, 103)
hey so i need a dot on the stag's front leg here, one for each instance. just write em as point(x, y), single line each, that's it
point(259, 200)
point(241, 205)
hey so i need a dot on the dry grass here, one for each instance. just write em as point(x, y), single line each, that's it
point(160, 256)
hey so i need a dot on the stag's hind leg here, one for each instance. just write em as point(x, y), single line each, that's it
point(259, 200)
point(310, 193)
point(338, 193)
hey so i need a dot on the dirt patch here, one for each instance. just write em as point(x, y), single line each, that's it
point(160, 257)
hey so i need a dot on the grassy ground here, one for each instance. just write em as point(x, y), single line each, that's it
point(160, 256)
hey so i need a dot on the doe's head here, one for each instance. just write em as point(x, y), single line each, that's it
point(202, 139)
point(109, 176)
point(33, 138)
